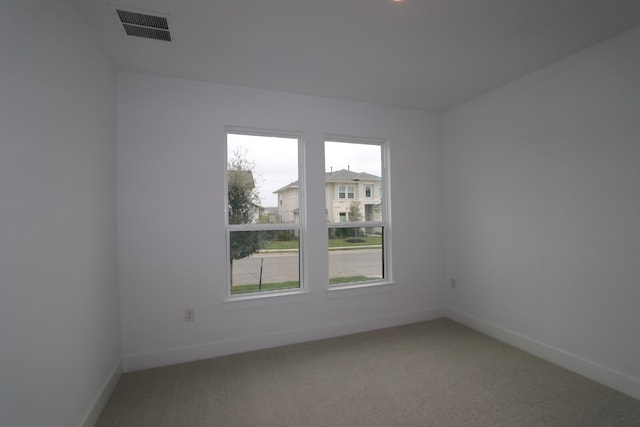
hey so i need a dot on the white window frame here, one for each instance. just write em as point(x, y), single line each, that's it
point(300, 226)
point(387, 278)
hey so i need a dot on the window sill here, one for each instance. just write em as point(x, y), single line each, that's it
point(255, 296)
point(359, 285)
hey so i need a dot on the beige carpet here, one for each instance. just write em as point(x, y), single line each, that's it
point(436, 373)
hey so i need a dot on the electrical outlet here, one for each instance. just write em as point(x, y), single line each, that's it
point(189, 315)
point(453, 283)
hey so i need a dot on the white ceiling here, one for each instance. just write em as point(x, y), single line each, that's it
point(426, 54)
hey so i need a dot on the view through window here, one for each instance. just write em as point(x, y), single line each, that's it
point(354, 181)
point(263, 213)
point(265, 201)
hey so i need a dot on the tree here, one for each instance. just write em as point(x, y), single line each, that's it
point(243, 208)
point(355, 215)
point(354, 212)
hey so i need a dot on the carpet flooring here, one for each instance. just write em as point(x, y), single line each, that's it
point(434, 373)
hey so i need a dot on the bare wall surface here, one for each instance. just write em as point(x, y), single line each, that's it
point(171, 166)
point(59, 337)
point(542, 207)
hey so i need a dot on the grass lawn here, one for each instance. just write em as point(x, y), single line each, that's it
point(245, 289)
point(343, 242)
point(276, 244)
point(333, 243)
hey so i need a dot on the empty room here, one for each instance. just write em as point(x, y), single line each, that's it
point(319, 213)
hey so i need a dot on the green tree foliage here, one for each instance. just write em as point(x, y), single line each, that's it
point(244, 206)
point(243, 195)
point(354, 212)
point(354, 215)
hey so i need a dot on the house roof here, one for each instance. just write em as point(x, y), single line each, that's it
point(287, 187)
point(342, 175)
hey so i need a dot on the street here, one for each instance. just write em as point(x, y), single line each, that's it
point(283, 267)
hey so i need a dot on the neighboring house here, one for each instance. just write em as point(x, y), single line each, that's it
point(342, 189)
point(270, 215)
point(288, 203)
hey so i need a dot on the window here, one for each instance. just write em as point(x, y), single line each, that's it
point(346, 191)
point(368, 191)
point(350, 192)
point(358, 227)
point(264, 230)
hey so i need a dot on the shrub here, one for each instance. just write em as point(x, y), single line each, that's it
point(355, 240)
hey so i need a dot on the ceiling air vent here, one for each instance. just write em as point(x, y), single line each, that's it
point(143, 25)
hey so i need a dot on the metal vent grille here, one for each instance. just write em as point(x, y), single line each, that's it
point(143, 25)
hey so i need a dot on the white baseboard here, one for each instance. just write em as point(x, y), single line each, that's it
point(610, 377)
point(98, 404)
point(134, 362)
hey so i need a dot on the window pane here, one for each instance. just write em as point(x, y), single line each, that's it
point(353, 194)
point(355, 254)
point(264, 260)
point(262, 179)
point(354, 171)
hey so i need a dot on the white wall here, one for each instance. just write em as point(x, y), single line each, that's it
point(59, 333)
point(171, 165)
point(542, 188)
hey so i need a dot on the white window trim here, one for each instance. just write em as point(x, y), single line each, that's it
point(386, 214)
point(301, 226)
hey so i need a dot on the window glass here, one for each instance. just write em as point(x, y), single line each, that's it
point(356, 216)
point(263, 213)
point(272, 262)
point(350, 192)
point(355, 257)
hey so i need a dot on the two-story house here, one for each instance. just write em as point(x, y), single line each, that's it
point(345, 191)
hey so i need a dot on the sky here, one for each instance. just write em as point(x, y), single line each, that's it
point(275, 160)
